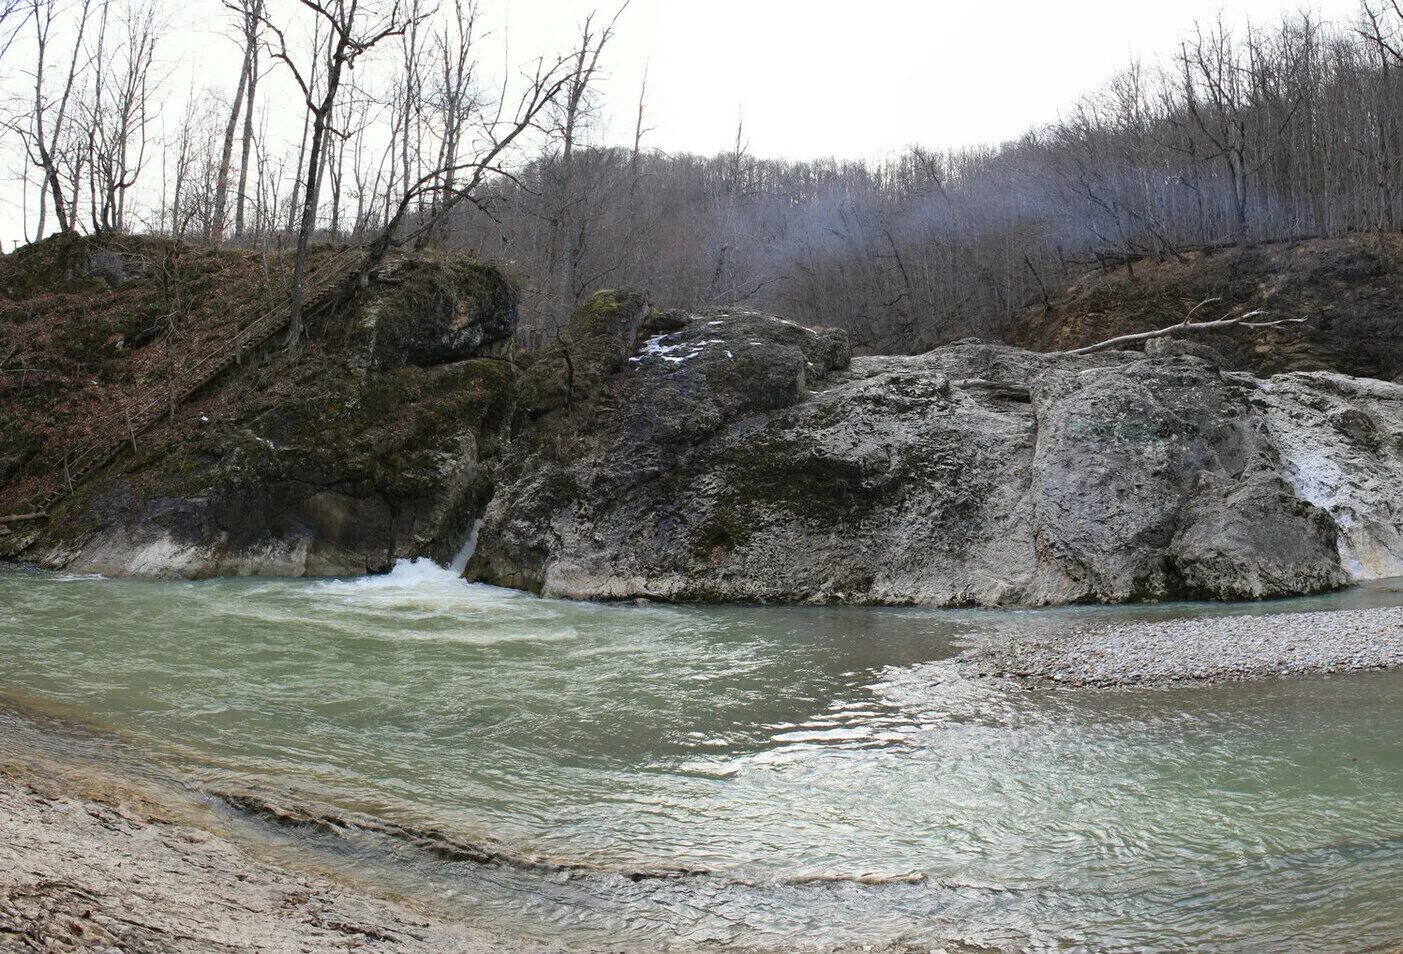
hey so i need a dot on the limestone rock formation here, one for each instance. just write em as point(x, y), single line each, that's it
point(725, 456)
point(738, 457)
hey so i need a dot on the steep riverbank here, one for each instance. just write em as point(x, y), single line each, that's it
point(718, 456)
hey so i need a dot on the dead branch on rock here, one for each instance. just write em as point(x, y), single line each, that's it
point(25, 517)
point(1187, 325)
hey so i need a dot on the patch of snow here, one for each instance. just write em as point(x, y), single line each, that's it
point(656, 347)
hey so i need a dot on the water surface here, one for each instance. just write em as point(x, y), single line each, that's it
point(768, 746)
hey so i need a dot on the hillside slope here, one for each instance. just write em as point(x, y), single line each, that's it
point(1349, 289)
point(362, 448)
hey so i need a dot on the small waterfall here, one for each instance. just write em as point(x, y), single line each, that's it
point(460, 561)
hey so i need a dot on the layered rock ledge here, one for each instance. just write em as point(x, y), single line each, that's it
point(128, 867)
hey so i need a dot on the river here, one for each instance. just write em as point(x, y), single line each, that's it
point(821, 775)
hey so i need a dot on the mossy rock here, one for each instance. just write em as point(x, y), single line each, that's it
point(595, 343)
point(56, 265)
point(430, 312)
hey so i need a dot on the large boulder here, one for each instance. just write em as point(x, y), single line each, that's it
point(1120, 450)
point(1254, 538)
point(735, 456)
point(423, 311)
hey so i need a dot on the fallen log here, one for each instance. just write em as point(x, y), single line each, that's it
point(23, 517)
point(1188, 324)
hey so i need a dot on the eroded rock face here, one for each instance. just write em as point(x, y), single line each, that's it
point(733, 456)
point(1253, 538)
point(369, 469)
point(1340, 442)
point(424, 312)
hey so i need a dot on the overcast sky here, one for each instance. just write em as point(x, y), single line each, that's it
point(863, 77)
point(847, 78)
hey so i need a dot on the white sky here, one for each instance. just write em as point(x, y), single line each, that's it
point(812, 77)
point(857, 79)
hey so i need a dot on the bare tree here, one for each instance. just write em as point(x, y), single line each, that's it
point(1215, 96)
point(118, 111)
point(248, 13)
point(497, 131)
point(570, 228)
point(454, 99)
point(13, 16)
point(252, 22)
point(351, 33)
point(47, 124)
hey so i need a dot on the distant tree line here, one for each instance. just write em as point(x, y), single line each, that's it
point(1276, 132)
point(1291, 131)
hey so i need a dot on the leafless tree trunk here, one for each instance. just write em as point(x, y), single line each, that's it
point(48, 120)
point(1188, 325)
point(118, 111)
point(571, 228)
point(248, 12)
point(251, 34)
point(352, 32)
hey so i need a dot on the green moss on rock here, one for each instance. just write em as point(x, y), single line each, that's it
point(595, 343)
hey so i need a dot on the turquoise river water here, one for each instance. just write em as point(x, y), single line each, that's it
point(829, 768)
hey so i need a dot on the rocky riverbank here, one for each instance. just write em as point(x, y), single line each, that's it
point(97, 863)
point(1201, 649)
point(732, 456)
point(717, 456)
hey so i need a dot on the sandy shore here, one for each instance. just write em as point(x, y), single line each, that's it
point(1201, 649)
point(107, 864)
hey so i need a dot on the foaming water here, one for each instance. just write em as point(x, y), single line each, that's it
point(820, 774)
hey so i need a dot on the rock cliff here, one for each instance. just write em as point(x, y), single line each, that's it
point(735, 456)
point(721, 456)
point(369, 445)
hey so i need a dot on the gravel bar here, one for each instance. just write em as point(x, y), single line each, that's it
point(1201, 649)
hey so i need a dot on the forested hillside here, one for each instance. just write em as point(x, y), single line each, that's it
point(1282, 131)
point(1266, 132)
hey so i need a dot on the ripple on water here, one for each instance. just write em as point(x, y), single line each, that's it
point(770, 746)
